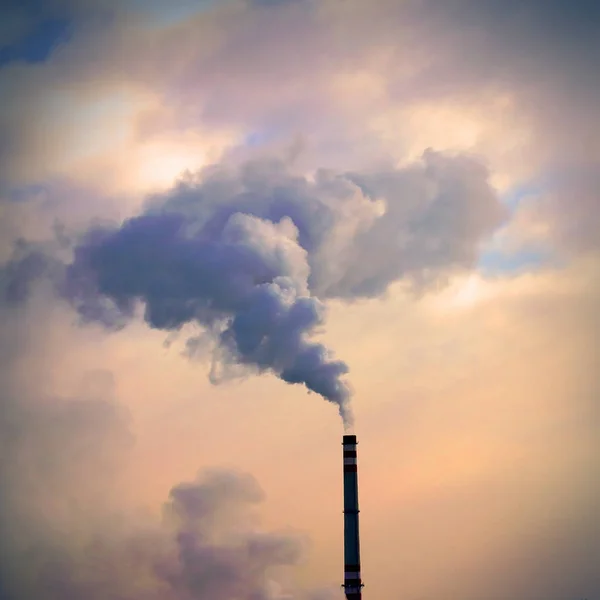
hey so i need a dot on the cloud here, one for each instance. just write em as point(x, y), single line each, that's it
point(570, 208)
point(541, 56)
point(368, 86)
point(49, 446)
point(376, 83)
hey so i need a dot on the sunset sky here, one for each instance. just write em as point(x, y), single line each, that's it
point(209, 206)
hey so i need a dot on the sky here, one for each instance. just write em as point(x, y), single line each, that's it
point(232, 230)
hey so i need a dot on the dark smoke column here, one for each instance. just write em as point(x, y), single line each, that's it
point(352, 582)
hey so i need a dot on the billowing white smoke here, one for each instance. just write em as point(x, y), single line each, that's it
point(251, 255)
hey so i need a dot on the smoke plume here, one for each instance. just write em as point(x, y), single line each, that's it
point(251, 254)
point(216, 554)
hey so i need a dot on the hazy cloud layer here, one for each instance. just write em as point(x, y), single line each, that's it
point(49, 446)
point(353, 93)
point(477, 405)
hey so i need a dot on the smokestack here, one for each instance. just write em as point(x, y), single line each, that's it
point(352, 581)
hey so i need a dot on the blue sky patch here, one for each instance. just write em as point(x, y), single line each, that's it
point(164, 13)
point(38, 43)
point(496, 262)
point(520, 193)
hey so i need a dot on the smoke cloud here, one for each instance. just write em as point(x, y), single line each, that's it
point(217, 556)
point(252, 253)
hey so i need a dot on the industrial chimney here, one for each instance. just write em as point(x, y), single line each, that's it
point(352, 582)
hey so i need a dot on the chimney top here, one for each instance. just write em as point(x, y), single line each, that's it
point(349, 439)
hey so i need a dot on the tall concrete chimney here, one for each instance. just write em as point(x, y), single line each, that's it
point(352, 581)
